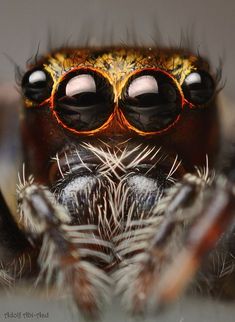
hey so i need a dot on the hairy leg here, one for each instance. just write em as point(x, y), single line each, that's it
point(66, 249)
point(186, 224)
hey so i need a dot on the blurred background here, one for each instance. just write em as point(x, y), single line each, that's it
point(27, 27)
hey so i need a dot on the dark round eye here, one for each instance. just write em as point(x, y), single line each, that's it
point(37, 85)
point(151, 101)
point(198, 87)
point(84, 100)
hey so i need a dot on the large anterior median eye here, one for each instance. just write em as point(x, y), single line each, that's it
point(198, 87)
point(37, 85)
point(151, 101)
point(84, 100)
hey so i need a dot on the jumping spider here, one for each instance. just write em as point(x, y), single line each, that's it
point(120, 190)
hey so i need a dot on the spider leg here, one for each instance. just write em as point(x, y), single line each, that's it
point(63, 257)
point(13, 247)
point(213, 220)
point(142, 273)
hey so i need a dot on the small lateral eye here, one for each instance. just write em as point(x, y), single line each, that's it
point(151, 101)
point(198, 87)
point(37, 85)
point(84, 100)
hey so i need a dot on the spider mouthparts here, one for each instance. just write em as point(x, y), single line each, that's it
point(111, 187)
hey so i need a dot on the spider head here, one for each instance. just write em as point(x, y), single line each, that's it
point(128, 113)
point(160, 97)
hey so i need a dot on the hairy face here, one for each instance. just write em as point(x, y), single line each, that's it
point(109, 130)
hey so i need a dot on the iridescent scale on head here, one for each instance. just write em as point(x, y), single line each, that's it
point(118, 63)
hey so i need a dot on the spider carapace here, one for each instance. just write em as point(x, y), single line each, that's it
point(114, 141)
point(164, 98)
